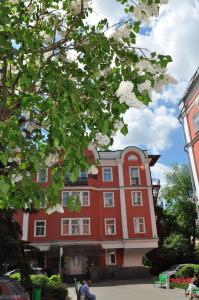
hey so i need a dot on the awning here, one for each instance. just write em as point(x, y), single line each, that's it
point(77, 250)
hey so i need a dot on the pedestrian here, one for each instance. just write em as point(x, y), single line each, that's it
point(85, 293)
point(194, 284)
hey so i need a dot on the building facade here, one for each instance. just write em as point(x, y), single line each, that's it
point(115, 227)
point(189, 117)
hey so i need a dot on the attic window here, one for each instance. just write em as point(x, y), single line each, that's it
point(132, 157)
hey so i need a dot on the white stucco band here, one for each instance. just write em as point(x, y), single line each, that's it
point(25, 226)
point(191, 158)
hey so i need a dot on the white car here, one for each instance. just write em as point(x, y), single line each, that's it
point(171, 272)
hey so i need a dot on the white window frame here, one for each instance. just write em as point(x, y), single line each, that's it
point(70, 226)
point(139, 182)
point(132, 197)
point(110, 172)
point(107, 256)
point(108, 219)
point(81, 197)
point(35, 226)
point(137, 226)
point(46, 176)
point(113, 200)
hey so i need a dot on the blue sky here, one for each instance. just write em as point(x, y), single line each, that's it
point(174, 32)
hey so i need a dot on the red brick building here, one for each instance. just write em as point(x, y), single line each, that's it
point(116, 225)
point(189, 117)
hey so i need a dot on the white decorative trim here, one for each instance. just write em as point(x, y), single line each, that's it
point(151, 203)
point(191, 156)
point(122, 200)
point(25, 226)
point(125, 244)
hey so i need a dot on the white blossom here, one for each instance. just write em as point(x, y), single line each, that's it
point(16, 178)
point(75, 6)
point(118, 125)
point(126, 95)
point(145, 86)
point(52, 159)
point(164, 1)
point(57, 208)
point(93, 170)
point(145, 65)
point(26, 114)
point(121, 33)
point(102, 139)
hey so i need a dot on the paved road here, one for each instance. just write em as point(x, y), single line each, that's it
point(131, 290)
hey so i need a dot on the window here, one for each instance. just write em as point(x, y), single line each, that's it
point(110, 255)
point(196, 121)
point(40, 228)
point(42, 175)
point(65, 227)
point(139, 225)
point(86, 226)
point(132, 158)
point(65, 196)
point(75, 226)
point(134, 176)
point(83, 175)
point(108, 199)
point(84, 197)
point(136, 198)
point(110, 227)
point(107, 174)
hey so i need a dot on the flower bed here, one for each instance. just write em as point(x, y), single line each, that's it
point(181, 283)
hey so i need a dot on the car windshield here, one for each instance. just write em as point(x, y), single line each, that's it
point(173, 268)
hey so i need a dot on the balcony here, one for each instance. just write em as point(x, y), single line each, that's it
point(82, 180)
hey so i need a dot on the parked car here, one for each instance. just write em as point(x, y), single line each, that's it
point(12, 290)
point(171, 272)
point(33, 270)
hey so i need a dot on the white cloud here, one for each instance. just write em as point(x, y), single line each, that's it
point(159, 172)
point(150, 128)
point(174, 32)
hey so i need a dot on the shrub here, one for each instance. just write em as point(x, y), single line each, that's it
point(186, 271)
point(51, 287)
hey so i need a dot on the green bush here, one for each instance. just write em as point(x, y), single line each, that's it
point(179, 285)
point(188, 271)
point(16, 276)
point(52, 287)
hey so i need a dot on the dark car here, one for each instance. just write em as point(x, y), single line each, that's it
point(10, 289)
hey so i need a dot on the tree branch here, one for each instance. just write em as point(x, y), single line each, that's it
point(4, 77)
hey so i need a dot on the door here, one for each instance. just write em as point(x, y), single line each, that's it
point(75, 265)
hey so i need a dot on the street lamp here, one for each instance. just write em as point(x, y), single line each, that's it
point(60, 258)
